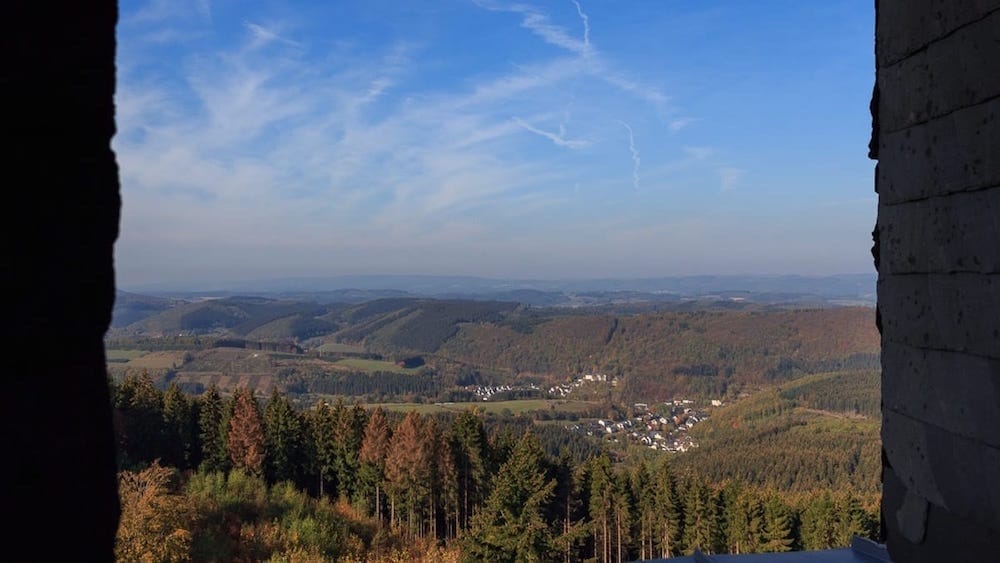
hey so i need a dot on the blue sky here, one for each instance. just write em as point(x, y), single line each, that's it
point(555, 139)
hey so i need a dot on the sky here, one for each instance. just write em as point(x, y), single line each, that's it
point(560, 139)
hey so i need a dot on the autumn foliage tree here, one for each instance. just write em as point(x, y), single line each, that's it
point(246, 434)
point(153, 519)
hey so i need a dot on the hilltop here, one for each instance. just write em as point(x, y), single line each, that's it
point(705, 348)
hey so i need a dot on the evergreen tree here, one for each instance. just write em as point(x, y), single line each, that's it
point(511, 525)
point(819, 523)
point(323, 424)
point(471, 449)
point(179, 425)
point(139, 410)
point(283, 440)
point(601, 507)
point(670, 512)
point(700, 525)
point(778, 527)
point(212, 432)
point(621, 506)
point(646, 515)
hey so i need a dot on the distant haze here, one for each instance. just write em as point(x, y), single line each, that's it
point(858, 288)
point(529, 140)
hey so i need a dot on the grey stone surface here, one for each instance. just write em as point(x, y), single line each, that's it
point(954, 473)
point(955, 312)
point(956, 72)
point(947, 537)
point(945, 156)
point(906, 27)
point(956, 392)
point(958, 233)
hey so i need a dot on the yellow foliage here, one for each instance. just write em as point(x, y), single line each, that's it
point(153, 525)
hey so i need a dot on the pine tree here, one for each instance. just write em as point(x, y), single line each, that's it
point(246, 434)
point(621, 506)
point(471, 449)
point(511, 525)
point(700, 525)
point(670, 514)
point(646, 517)
point(283, 440)
point(139, 410)
point(179, 429)
point(819, 523)
point(778, 527)
point(323, 424)
point(214, 441)
point(601, 507)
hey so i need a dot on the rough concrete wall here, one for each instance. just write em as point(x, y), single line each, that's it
point(61, 212)
point(937, 141)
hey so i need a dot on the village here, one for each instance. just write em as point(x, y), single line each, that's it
point(664, 428)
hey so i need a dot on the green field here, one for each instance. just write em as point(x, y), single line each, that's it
point(340, 348)
point(374, 365)
point(120, 356)
point(496, 407)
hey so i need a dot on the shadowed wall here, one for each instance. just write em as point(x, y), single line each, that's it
point(937, 141)
point(61, 210)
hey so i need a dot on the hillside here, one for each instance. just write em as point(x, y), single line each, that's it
point(819, 432)
point(659, 355)
point(653, 355)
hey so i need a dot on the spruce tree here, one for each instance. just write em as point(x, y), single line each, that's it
point(214, 441)
point(471, 449)
point(283, 440)
point(778, 527)
point(511, 525)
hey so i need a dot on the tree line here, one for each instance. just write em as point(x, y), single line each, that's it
point(225, 474)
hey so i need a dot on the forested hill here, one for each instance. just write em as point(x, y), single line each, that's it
point(653, 355)
point(660, 355)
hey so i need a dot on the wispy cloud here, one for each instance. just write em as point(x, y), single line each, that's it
point(586, 24)
point(263, 35)
point(680, 123)
point(268, 140)
point(557, 139)
point(635, 154)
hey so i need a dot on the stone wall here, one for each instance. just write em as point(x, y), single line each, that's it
point(60, 219)
point(936, 121)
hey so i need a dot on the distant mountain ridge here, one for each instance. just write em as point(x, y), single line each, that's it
point(851, 288)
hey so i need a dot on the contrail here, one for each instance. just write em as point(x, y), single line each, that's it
point(559, 140)
point(635, 155)
point(586, 24)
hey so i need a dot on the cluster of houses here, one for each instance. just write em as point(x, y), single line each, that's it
point(489, 392)
point(666, 428)
point(565, 389)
